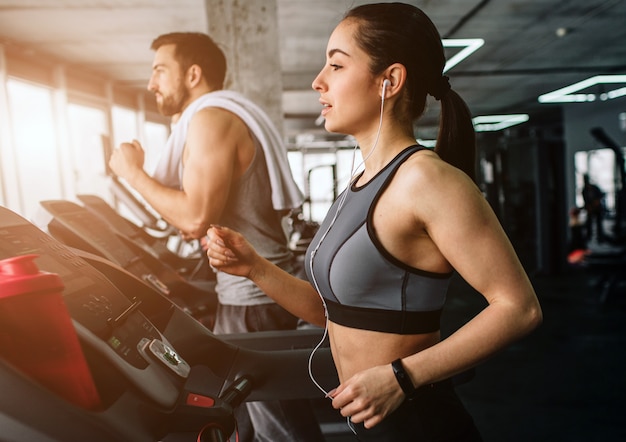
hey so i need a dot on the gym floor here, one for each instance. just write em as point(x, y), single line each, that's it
point(564, 382)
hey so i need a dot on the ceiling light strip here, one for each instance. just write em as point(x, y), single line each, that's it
point(493, 123)
point(470, 46)
point(567, 95)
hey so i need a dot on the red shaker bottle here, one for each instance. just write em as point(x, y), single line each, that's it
point(37, 335)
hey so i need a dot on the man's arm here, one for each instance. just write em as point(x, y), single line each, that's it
point(217, 150)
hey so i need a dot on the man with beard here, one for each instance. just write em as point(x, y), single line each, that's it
point(224, 164)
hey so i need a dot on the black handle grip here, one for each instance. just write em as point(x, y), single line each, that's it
point(237, 391)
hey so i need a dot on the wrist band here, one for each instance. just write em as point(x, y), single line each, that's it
point(403, 378)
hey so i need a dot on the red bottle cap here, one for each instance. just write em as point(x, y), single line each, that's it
point(20, 275)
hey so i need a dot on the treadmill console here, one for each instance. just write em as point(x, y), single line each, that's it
point(104, 317)
point(82, 229)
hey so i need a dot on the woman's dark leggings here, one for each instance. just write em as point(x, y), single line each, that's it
point(435, 414)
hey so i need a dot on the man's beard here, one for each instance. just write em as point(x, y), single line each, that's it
point(173, 104)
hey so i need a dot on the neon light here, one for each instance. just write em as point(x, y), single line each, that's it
point(492, 123)
point(566, 94)
point(471, 45)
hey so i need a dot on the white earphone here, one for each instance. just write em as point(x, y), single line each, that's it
point(386, 84)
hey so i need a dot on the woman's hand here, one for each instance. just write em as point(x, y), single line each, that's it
point(229, 251)
point(368, 396)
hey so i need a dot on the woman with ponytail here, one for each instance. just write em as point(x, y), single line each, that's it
point(379, 267)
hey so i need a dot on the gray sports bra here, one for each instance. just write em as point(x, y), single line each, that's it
point(363, 286)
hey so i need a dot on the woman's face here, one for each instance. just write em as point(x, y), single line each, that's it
point(349, 93)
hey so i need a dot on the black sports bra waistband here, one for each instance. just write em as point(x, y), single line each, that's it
point(388, 321)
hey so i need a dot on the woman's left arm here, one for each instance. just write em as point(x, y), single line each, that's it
point(469, 236)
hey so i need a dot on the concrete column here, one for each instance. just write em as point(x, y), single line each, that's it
point(247, 32)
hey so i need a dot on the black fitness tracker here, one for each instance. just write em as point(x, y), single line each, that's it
point(403, 378)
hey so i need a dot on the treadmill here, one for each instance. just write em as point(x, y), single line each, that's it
point(160, 374)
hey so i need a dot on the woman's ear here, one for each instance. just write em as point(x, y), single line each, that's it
point(393, 79)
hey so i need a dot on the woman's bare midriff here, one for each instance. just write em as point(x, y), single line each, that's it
point(355, 350)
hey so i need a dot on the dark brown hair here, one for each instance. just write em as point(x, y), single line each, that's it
point(400, 33)
point(199, 49)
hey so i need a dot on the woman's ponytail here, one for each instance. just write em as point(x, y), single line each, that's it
point(456, 143)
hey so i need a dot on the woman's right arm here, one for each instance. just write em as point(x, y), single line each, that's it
point(228, 251)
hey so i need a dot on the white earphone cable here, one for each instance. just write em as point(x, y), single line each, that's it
point(353, 173)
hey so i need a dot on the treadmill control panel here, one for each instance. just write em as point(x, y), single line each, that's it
point(92, 300)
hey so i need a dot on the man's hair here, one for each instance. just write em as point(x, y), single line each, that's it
point(199, 49)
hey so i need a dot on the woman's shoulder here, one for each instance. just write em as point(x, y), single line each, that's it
point(429, 184)
point(426, 169)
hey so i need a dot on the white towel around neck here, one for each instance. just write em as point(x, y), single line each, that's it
point(285, 193)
